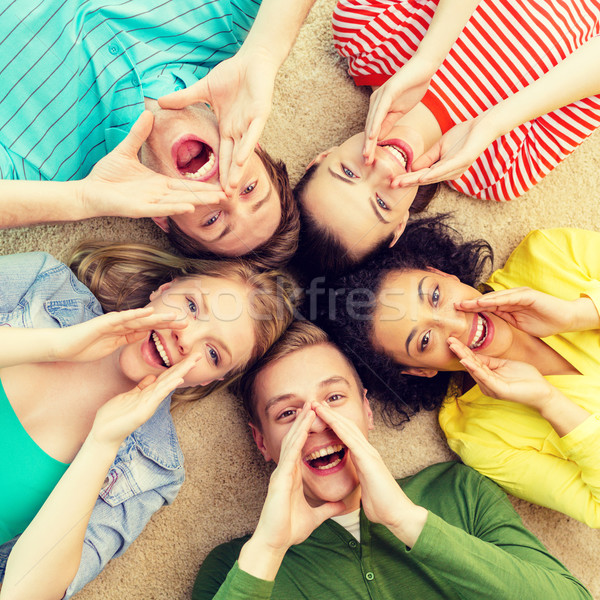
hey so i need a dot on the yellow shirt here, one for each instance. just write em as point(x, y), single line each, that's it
point(511, 443)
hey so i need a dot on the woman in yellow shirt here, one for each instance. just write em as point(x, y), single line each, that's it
point(525, 411)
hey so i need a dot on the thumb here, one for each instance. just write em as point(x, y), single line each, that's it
point(328, 510)
point(144, 383)
point(138, 135)
point(428, 158)
point(198, 92)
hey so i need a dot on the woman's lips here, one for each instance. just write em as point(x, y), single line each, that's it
point(482, 326)
point(403, 148)
point(190, 148)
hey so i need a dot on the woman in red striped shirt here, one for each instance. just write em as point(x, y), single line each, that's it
point(494, 105)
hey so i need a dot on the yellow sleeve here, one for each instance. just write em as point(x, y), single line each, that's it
point(562, 262)
point(570, 485)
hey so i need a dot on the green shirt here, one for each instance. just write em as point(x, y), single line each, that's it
point(473, 545)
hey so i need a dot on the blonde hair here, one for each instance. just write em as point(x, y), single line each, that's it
point(122, 276)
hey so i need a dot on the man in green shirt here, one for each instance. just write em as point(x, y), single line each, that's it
point(335, 523)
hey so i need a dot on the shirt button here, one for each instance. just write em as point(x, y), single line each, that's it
point(134, 82)
point(369, 576)
point(352, 544)
point(113, 49)
point(178, 87)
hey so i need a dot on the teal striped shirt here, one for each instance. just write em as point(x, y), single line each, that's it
point(75, 73)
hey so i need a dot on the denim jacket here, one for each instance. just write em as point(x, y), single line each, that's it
point(36, 290)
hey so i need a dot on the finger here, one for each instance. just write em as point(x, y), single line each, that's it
point(195, 187)
point(291, 448)
point(244, 147)
point(444, 171)
point(144, 383)
point(328, 510)
point(225, 154)
point(139, 133)
point(347, 431)
point(409, 179)
point(458, 348)
point(427, 158)
point(197, 92)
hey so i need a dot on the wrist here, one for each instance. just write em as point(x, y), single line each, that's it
point(585, 315)
point(260, 560)
point(429, 60)
point(409, 524)
point(84, 200)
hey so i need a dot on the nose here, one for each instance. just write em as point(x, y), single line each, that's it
point(382, 167)
point(454, 322)
point(186, 339)
point(318, 425)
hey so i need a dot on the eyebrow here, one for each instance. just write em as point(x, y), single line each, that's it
point(373, 205)
point(412, 334)
point(285, 397)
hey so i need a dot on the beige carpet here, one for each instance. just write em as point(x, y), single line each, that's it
point(316, 105)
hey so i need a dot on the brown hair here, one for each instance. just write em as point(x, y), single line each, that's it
point(299, 335)
point(122, 276)
point(277, 251)
point(320, 251)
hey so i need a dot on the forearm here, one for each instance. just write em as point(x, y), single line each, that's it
point(29, 202)
point(46, 558)
point(449, 20)
point(260, 560)
point(276, 27)
point(586, 315)
point(574, 78)
point(21, 345)
point(561, 412)
point(475, 567)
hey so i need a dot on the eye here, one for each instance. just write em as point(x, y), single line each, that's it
point(214, 356)
point(212, 220)
point(381, 203)
point(249, 189)
point(334, 397)
point(435, 296)
point(348, 172)
point(286, 414)
point(425, 341)
point(192, 306)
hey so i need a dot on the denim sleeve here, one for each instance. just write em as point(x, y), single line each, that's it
point(113, 528)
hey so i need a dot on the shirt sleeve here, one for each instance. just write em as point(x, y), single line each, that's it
point(112, 529)
point(499, 554)
point(7, 168)
point(221, 578)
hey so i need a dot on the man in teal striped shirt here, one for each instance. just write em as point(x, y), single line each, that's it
point(78, 75)
point(335, 523)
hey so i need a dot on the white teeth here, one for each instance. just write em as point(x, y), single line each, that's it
point(399, 154)
point(204, 169)
point(332, 464)
point(480, 333)
point(324, 452)
point(160, 349)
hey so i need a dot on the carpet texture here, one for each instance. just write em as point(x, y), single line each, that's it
point(316, 105)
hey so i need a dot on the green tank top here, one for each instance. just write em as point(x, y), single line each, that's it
point(27, 473)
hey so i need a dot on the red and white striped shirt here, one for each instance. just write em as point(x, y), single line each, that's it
point(505, 46)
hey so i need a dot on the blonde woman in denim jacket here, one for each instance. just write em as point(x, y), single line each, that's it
point(92, 393)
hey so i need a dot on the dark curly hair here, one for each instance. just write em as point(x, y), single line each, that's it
point(320, 251)
point(279, 248)
point(426, 242)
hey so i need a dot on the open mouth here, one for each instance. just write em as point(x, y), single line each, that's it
point(400, 151)
point(326, 458)
point(483, 334)
point(194, 158)
point(158, 350)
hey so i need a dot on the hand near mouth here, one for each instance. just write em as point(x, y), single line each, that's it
point(286, 518)
point(534, 312)
point(120, 186)
point(382, 498)
point(451, 155)
point(239, 90)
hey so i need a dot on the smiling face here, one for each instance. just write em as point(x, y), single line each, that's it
point(415, 316)
point(219, 327)
point(317, 373)
point(356, 201)
point(185, 144)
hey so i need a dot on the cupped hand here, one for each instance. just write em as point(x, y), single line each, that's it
point(450, 156)
point(382, 498)
point(240, 92)
point(287, 518)
point(390, 102)
point(504, 379)
point(101, 336)
point(531, 311)
point(120, 186)
point(124, 413)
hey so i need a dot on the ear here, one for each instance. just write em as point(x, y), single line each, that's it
point(443, 273)
point(259, 440)
point(162, 222)
point(399, 230)
point(367, 405)
point(163, 288)
point(419, 372)
point(317, 159)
